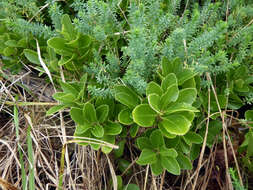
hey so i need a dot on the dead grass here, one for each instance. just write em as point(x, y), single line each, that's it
point(84, 169)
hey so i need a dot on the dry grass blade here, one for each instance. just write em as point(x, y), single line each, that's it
point(7, 186)
point(204, 144)
point(43, 64)
point(114, 177)
point(229, 181)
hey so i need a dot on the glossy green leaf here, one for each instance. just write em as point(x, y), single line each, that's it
point(153, 88)
point(154, 102)
point(171, 165)
point(188, 115)
point(112, 128)
point(192, 137)
point(180, 107)
point(32, 56)
point(102, 113)
point(156, 138)
point(171, 152)
point(147, 157)
point(89, 112)
point(165, 132)
point(97, 130)
point(169, 96)
point(184, 161)
point(176, 124)
point(168, 81)
point(125, 117)
point(144, 116)
point(187, 95)
point(126, 96)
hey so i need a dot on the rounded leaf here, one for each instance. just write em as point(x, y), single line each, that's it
point(125, 117)
point(153, 88)
point(112, 128)
point(97, 130)
point(143, 115)
point(154, 102)
point(176, 124)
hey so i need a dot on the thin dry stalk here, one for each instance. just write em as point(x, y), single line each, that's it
point(229, 181)
point(204, 143)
